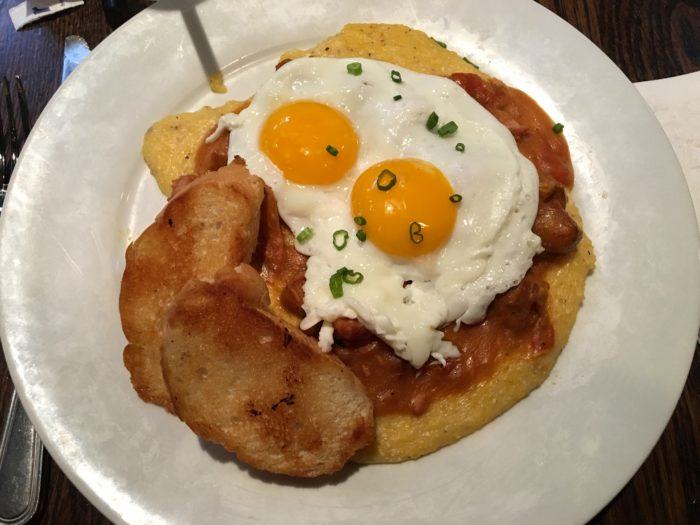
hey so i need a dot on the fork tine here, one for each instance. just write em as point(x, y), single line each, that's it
point(4, 131)
point(23, 107)
point(12, 131)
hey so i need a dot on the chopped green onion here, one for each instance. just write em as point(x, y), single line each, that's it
point(330, 149)
point(456, 198)
point(558, 128)
point(414, 230)
point(397, 97)
point(355, 68)
point(343, 275)
point(441, 44)
point(336, 285)
point(360, 220)
point(432, 120)
point(305, 235)
point(361, 235)
point(340, 239)
point(386, 180)
point(470, 62)
point(447, 129)
point(395, 76)
point(460, 147)
point(351, 277)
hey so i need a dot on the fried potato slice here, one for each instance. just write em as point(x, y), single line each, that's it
point(208, 224)
point(241, 377)
point(170, 145)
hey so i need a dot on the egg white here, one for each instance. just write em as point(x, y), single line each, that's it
point(491, 247)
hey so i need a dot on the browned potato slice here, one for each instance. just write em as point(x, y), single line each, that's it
point(241, 377)
point(207, 224)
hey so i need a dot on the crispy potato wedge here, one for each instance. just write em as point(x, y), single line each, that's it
point(208, 224)
point(241, 377)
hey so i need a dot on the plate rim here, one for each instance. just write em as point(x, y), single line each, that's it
point(53, 447)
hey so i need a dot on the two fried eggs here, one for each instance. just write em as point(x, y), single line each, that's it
point(411, 201)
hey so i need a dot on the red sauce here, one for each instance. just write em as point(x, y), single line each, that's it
point(516, 321)
point(397, 387)
point(529, 124)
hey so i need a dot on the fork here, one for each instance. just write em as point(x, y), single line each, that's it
point(10, 143)
point(21, 451)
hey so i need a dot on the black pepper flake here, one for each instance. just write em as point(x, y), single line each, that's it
point(170, 222)
point(287, 400)
point(254, 412)
point(287, 338)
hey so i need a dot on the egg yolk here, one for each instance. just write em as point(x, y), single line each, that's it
point(406, 205)
point(310, 143)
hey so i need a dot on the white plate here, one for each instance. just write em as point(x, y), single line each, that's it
point(81, 191)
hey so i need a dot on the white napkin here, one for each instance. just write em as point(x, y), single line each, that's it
point(32, 10)
point(676, 103)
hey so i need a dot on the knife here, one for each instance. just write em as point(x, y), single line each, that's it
point(21, 451)
point(75, 49)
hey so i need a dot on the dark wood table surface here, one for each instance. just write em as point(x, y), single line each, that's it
point(647, 39)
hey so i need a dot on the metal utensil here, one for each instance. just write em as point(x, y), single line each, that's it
point(21, 457)
point(21, 451)
point(75, 49)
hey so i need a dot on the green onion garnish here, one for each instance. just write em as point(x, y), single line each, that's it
point(414, 230)
point(355, 68)
point(470, 62)
point(447, 129)
point(460, 147)
point(330, 149)
point(386, 180)
point(397, 97)
point(441, 44)
point(361, 235)
point(340, 239)
point(456, 198)
point(395, 76)
point(360, 220)
point(343, 276)
point(558, 128)
point(305, 235)
point(432, 120)
point(351, 277)
point(336, 285)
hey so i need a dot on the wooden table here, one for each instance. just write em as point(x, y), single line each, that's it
point(647, 39)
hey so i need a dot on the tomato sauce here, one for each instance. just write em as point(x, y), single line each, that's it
point(516, 321)
point(530, 125)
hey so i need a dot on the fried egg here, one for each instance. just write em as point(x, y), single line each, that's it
point(411, 201)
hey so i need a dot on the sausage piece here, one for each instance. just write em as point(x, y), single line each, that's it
point(558, 231)
point(550, 189)
point(521, 307)
point(292, 296)
point(351, 332)
point(212, 155)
